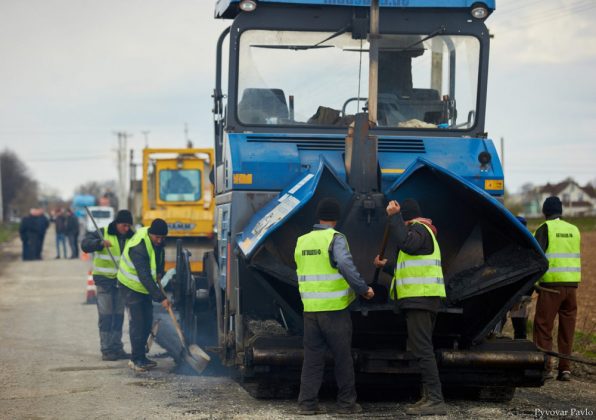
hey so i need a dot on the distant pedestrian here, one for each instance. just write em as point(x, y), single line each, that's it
point(42, 223)
point(560, 241)
point(29, 236)
point(141, 265)
point(60, 226)
point(72, 233)
point(110, 297)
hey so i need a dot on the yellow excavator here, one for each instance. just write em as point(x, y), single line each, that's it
point(176, 187)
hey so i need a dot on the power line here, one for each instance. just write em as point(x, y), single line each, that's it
point(550, 15)
point(555, 14)
point(516, 7)
point(66, 159)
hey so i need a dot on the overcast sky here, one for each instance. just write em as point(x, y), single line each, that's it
point(73, 72)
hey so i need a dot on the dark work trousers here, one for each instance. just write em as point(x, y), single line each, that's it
point(110, 308)
point(420, 333)
point(61, 240)
point(323, 331)
point(73, 241)
point(548, 306)
point(140, 314)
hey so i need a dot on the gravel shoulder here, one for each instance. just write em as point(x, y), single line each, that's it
point(50, 366)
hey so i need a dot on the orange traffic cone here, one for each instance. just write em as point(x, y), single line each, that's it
point(91, 289)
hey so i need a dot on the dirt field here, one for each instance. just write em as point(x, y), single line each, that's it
point(586, 316)
point(586, 297)
point(50, 366)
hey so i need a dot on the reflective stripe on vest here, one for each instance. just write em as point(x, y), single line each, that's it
point(563, 253)
point(127, 273)
point(418, 275)
point(102, 263)
point(322, 287)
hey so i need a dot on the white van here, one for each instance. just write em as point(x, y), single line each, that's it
point(103, 216)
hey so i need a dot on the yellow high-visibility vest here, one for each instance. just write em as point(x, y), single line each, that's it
point(321, 286)
point(418, 275)
point(563, 253)
point(102, 263)
point(127, 273)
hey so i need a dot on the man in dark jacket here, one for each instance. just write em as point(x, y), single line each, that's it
point(141, 265)
point(417, 288)
point(42, 223)
point(328, 282)
point(110, 299)
point(560, 241)
point(28, 230)
point(60, 225)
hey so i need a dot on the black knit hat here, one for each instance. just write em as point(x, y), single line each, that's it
point(552, 205)
point(123, 216)
point(159, 227)
point(329, 210)
point(410, 209)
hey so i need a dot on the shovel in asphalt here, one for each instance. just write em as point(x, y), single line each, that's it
point(193, 355)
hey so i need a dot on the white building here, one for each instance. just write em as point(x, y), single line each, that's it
point(577, 200)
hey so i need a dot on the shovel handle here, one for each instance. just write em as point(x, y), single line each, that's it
point(174, 320)
point(382, 251)
point(177, 326)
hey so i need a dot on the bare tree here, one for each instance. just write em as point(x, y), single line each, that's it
point(100, 189)
point(19, 189)
point(93, 188)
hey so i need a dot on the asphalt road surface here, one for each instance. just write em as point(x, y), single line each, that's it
point(50, 365)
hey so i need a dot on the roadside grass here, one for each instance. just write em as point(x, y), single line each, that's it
point(8, 231)
point(585, 344)
point(584, 224)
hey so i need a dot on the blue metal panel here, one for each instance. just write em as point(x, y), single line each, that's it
point(274, 161)
point(290, 200)
point(229, 8)
point(480, 194)
point(294, 197)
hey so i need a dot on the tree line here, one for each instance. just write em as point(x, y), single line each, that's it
point(19, 189)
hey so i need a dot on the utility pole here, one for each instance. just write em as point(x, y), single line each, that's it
point(373, 72)
point(122, 168)
point(188, 140)
point(503, 153)
point(146, 134)
point(1, 202)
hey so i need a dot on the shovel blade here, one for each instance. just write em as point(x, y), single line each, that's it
point(197, 358)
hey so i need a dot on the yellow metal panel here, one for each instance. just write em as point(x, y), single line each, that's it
point(493, 184)
point(392, 170)
point(243, 179)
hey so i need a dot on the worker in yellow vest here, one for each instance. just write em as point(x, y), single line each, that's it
point(141, 265)
point(418, 288)
point(110, 299)
point(560, 241)
point(328, 282)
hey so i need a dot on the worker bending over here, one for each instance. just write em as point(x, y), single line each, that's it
point(141, 265)
point(110, 299)
point(417, 288)
point(328, 282)
point(560, 241)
